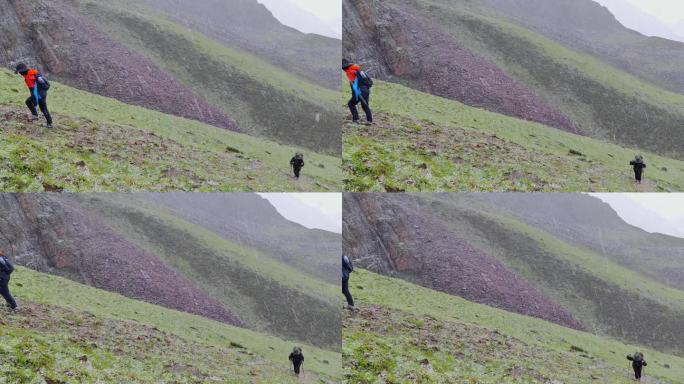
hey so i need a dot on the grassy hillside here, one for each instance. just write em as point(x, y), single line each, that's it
point(607, 298)
point(70, 333)
point(426, 143)
point(100, 144)
point(588, 222)
point(589, 27)
point(406, 334)
point(268, 295)
point(264, 99)
point(605, 101)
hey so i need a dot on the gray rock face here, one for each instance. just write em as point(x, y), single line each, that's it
point(52, 234)
point(394, 42)
point(394, 236)
point(164, 249)
point(54, 37)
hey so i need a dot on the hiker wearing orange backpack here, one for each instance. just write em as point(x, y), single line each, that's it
point(361, 85)
point(38, 85)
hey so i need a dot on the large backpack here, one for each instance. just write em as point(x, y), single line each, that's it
point(638, 356)
point(6, 266)
point(298, 160)
point(364, 79)
point(42, 81)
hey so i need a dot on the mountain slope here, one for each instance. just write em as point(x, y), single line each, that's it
point(128, 244)
point(422, 142)
point(68, 333)
point(605, 297)
point(113, 147)
point(254, 222)
point(590, 223)
point(140, 56)
point(406, 333)
point(590, 28)
point(443, 47)
point(248, 25)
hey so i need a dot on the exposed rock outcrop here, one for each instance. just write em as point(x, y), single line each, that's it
point(395, 43)
point(52, 234)
point(392, 236)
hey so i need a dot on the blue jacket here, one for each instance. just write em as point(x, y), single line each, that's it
point(347, 267)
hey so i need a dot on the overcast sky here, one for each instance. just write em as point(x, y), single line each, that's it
point(312, 210)
point(323, 17)
point(652, 212)
point(663, 18)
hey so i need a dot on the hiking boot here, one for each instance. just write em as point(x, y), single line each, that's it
point(48, 126)
point(357, 122)
point(351, 308)
point(33, 118)
point(367, 123)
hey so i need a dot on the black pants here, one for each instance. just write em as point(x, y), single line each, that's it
point(31, 104)
point(365, 104)
point(637, 370)
point(345, 291)
point(297, 366)
point(296, 171)
point(637, 173)
point(4, 291)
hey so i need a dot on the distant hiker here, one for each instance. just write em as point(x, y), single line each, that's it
point(6, 269)
point(638, 363)
point(361, 85)
point(38, 86)
point(297, 163)
point(347, 269)
point(638, 165)
point(297, 359)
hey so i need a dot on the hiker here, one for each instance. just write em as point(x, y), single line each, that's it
point(297, 163)
point(38, 86)
point(6, 269)
point(361, 85)
point(638, 363)
point(638, 165)
point(297, 359)
point(347, 269)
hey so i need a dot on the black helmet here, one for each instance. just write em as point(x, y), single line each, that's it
point(345, 64)
point(21, 68)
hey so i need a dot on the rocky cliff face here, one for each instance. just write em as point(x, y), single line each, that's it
point(395, 43)
point(393, 236)
point(167, 249)
point(67, 46)
point(554, 257)
point(51, 233)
